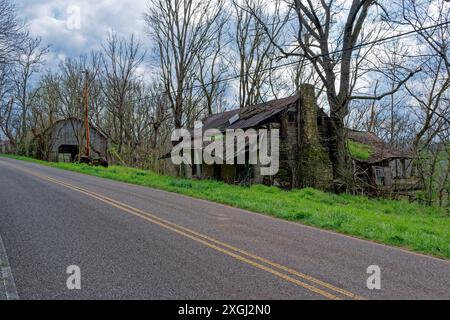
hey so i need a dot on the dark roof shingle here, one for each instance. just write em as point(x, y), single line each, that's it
point(249, 117)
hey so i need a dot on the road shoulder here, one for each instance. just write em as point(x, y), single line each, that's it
point(8, 290)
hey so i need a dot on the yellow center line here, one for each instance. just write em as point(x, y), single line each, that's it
point(206, 240)
point(274, 264)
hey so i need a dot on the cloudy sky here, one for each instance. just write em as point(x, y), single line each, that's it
point(75, 27)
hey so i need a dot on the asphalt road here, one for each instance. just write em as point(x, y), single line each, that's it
point(132, 242)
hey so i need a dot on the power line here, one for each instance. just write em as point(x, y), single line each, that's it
point(370, 43)
point(274, 24)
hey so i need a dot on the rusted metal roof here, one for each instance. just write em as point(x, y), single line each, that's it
point(74, 119)
point(249, 117)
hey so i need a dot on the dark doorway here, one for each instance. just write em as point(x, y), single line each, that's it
point(69, 149)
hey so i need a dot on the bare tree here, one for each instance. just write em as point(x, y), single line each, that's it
point(27, 64)
point(256, 29)
point(211, 61)
point(331, 35)
point(11, 36)
point(8, 121)
point(181, 29)
point(120, 60)
point(431, 93)
point(45, 103)
point(149, 124)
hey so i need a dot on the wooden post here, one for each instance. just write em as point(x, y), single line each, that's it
point(86, 115)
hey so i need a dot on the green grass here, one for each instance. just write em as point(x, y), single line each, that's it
point(399, 223)
point(359, 151)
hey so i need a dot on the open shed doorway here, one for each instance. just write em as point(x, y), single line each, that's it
point(67, 153)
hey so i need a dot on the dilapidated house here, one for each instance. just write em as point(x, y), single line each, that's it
point(66, 139)
point(304, 152)
point(381, 168)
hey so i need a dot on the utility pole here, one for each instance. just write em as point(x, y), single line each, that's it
point(86, 116)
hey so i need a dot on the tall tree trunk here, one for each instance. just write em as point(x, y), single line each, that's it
point(338, 153)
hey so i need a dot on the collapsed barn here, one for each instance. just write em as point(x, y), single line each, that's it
point(304, 155)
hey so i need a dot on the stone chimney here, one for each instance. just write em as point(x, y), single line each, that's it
point(315, 168)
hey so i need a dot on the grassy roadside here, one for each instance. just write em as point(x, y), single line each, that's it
point(398, 223)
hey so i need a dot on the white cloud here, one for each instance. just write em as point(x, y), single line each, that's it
point(53, 21)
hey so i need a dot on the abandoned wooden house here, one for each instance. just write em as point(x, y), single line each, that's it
point(66, 139)
point(304, 148)
point(380, 167)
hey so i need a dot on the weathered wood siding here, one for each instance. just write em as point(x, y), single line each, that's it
point(71, 132)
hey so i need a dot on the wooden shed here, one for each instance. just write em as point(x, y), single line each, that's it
point(65, 139)
point(385, 169)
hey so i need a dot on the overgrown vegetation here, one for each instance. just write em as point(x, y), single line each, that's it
point(202, 68)
point(434, 171)
point(359, 151)
point(419, 228)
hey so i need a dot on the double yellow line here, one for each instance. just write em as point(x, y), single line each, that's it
point(300, 279)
